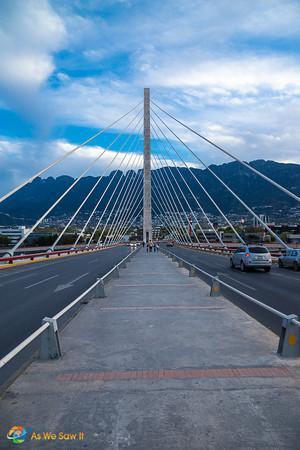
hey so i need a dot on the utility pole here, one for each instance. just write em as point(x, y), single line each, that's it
point(147, 222)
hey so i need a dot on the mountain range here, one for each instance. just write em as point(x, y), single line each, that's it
point(34, 199)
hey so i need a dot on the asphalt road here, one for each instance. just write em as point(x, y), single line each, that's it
point(28, 293)
point(280, 288)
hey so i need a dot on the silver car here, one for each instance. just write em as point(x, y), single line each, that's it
point(290, 259)
point(251, 257)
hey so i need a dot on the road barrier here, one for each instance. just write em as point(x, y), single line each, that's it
point(33, 256)
point(226, 251)
point(49, 332)
point(289, 341)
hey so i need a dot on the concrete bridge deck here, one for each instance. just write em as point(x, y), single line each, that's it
point(158, 364)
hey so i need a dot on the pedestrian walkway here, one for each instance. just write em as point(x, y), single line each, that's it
point(159, 364)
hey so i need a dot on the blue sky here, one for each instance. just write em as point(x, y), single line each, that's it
point(229, 69)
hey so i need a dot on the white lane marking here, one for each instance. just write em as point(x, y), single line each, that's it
point(16, 272)
point(69, 284)
point(285, 276)
point(78, 278)
point(239, 282)
point(24, 277)
point(40, 282)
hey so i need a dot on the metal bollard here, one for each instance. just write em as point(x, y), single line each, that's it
point(100, 291)
point(174, 259)
point(50, 344)
point(215, 290)
point(289, 342)
point(180, 263)
point(192, 271)
point(115, 273)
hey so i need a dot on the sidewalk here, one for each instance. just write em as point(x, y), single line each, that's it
point(158, 364)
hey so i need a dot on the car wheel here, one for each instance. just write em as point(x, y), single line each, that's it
point(231, 264)
point(267, 269)
point(280, 265)
point(295, 266)
point(243, 267)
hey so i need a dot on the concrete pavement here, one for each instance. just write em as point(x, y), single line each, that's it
point(158, 364)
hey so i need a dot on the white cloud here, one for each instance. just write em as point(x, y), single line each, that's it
point(93, 102)
point(208, 63)
point(30, 32)
point(223, 76)
point(94, 55)
point(26, 163)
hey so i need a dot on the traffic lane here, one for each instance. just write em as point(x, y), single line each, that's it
point(12, 271)
point(277, 289)
point(22, 285)
point(22, 308)
point(27, 307)
point(252, 280)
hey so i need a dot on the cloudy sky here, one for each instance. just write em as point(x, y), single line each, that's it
point(70, 67)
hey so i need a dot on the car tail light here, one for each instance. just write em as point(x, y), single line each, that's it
point(247, 254)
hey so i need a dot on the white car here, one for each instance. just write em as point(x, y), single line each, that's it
point(251, 257)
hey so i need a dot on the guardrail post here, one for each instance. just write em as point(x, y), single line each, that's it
point(180, 263)
point(123, 264)
point(116, 272)
point(174, 259)
point(50, 344)
point(192, 271)
point(289, 342)
point(215, 290)
point(100, 291)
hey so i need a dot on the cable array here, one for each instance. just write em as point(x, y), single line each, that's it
point(133, 124)
point(155, 116)
point(117, 198)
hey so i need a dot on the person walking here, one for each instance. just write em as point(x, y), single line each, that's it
point(157, 247)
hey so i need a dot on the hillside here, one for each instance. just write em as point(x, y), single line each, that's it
point(30, 202)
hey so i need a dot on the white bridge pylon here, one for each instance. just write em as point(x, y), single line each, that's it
point(147, 211)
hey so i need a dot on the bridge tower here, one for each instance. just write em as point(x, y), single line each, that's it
point(147, 212)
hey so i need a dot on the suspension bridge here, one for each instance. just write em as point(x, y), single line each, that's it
point(161, 335)
point(144, 183)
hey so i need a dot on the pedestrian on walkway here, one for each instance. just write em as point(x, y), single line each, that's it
point(143, 244)
point(154, 247)
point(157, 247)
point(147, 247)
point(150, 246)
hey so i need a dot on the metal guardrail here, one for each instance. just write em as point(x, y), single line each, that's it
point(32, 256)
point(50, 345)
point(289, 342)
point(227, 250)
point(23, 344)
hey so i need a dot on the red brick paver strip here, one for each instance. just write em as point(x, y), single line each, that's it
point(155, 284)
point(155, 308)
point(234, 372)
